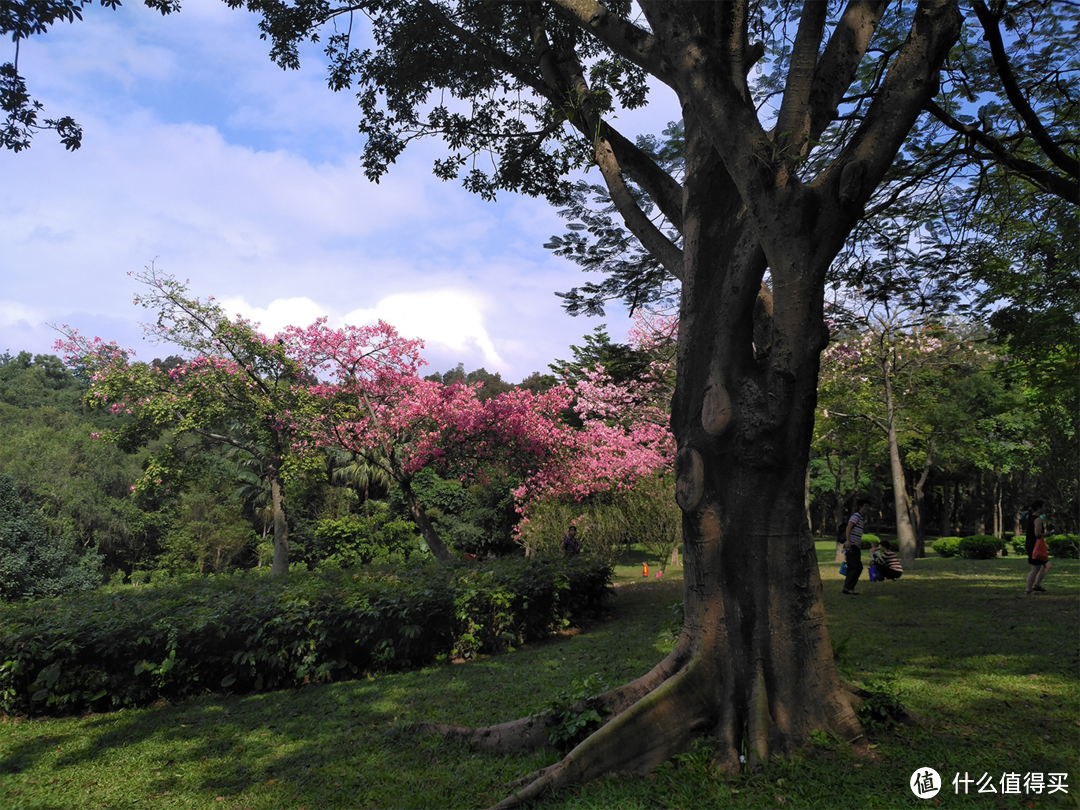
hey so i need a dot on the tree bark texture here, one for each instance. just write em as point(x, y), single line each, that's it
point(280, 566)
point(742, 415)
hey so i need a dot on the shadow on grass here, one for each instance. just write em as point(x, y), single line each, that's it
point(335, 745)
point(993, 673)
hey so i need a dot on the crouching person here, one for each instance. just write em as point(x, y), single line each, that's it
point(888, 564)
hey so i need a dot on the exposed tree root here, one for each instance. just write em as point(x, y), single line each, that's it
point(654, 729)
point(529, 733)
point(651, 720)
point(523, 734)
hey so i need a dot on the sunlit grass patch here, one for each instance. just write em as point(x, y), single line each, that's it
point(993, 676)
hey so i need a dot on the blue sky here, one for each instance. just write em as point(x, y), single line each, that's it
point(201, 155)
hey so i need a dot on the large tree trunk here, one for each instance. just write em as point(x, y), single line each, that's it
point(753, 668)
point(280, 566)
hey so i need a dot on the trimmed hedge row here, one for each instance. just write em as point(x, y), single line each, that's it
point(247, 632)
point(1062, 546)
point(975, 547)
point(985, 547)
point(980, 547)
point(946, 546)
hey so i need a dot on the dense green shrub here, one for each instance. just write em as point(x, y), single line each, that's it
point(946, 546)
point(1063, 546)
point(653, 518)
point(245, 632)
point(375, 536)
point(1019, 542)
point(869, 539)
point(980, 547)
point(33, 564)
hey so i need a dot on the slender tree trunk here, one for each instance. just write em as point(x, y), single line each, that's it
point(280, 566)
point(999, 514)
point(427, 531)
point(980, 504)
point(918, 508)
point(905, 533)
point(946, 509)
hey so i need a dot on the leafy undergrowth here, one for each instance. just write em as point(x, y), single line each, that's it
point(992, 674)
point(244, 632)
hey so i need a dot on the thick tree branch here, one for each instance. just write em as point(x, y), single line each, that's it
point(650, 236)
point(793, 121)
point(622, 36)
point(836, 69)
point(908, 86)
point(661, 187)
point(590, 124)
point(710, 79)
point(992, 34)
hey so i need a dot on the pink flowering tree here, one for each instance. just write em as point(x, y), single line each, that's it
point(624, 438)
point(373, 402)
point(236, 387)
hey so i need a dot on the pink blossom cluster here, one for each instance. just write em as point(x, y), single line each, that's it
point(358, 387)
point(375, 403)
point(624, 436)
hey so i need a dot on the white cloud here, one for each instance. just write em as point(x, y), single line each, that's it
point(201, 154)
point(446, 319)
point(12, 313)
point(276, 315)
point(449, 321)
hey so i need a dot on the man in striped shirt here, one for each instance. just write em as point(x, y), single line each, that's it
point(853, 547)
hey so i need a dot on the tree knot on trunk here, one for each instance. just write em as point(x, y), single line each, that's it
point(689, 479)
point(851, 181)
point(716, 411)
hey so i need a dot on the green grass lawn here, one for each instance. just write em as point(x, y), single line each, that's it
point(993, 674)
